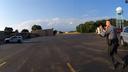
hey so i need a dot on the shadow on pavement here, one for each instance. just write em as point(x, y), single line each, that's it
point(125, 59)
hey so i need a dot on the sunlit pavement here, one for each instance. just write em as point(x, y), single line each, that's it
point(62, 53)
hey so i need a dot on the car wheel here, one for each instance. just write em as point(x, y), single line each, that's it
point(7, 41)
point(19, 41)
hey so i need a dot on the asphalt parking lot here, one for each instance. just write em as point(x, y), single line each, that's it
point(61, 53)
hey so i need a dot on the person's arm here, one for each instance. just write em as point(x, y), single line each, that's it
point(108, 30)
point(96, 31)
point(102, 33)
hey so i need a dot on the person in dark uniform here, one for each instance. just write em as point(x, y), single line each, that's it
point(112, 42)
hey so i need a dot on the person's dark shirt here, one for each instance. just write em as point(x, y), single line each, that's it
point(111, 33)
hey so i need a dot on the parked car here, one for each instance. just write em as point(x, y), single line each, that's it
point(124, 36)
point(14, 39)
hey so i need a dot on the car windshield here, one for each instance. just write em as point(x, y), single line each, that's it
point(63, 35)
point(13, 37)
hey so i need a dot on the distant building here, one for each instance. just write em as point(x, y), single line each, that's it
point(46, 32)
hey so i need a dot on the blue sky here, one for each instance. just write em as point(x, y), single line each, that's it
point(59, 14)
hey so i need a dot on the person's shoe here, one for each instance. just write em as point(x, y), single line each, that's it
point(116, 65)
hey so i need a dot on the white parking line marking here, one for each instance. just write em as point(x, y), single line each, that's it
point(3, 63)
point(70, 67)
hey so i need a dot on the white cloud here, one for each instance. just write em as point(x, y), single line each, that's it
point(55, 19)
point(71, 22)
point(57, 23)
point(62, 24)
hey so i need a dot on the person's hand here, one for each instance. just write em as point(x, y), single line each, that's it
point(106, 27)
point(104, 30)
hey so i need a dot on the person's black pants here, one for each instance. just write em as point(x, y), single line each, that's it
point(112, 50)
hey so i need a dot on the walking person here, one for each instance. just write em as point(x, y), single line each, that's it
point(112, 42)
point(99, 29)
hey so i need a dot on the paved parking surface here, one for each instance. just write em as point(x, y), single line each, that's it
point(61, 53)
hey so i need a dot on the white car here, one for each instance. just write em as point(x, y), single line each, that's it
point(14, 39)
point(124, 36)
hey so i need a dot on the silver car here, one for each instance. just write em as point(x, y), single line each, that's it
point(124, 36)
point(14, 39)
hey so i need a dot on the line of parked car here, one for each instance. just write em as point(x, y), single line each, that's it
point(14, 39)
point(124, 36)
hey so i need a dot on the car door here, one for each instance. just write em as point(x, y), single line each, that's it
point(13, 39)
point(125, 35)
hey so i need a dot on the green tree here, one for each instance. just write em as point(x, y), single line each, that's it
point(125, 23)
point(55, 32)
point(16, 31)
point(8, 29)
point(91, 26)
point(25, 31)
point(36, 27)
point(113, 21)
point(77, 28)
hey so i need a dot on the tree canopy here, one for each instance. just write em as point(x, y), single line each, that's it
point(25, 31)
point(91, 26)
point(36, 27)
point(8, 29)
